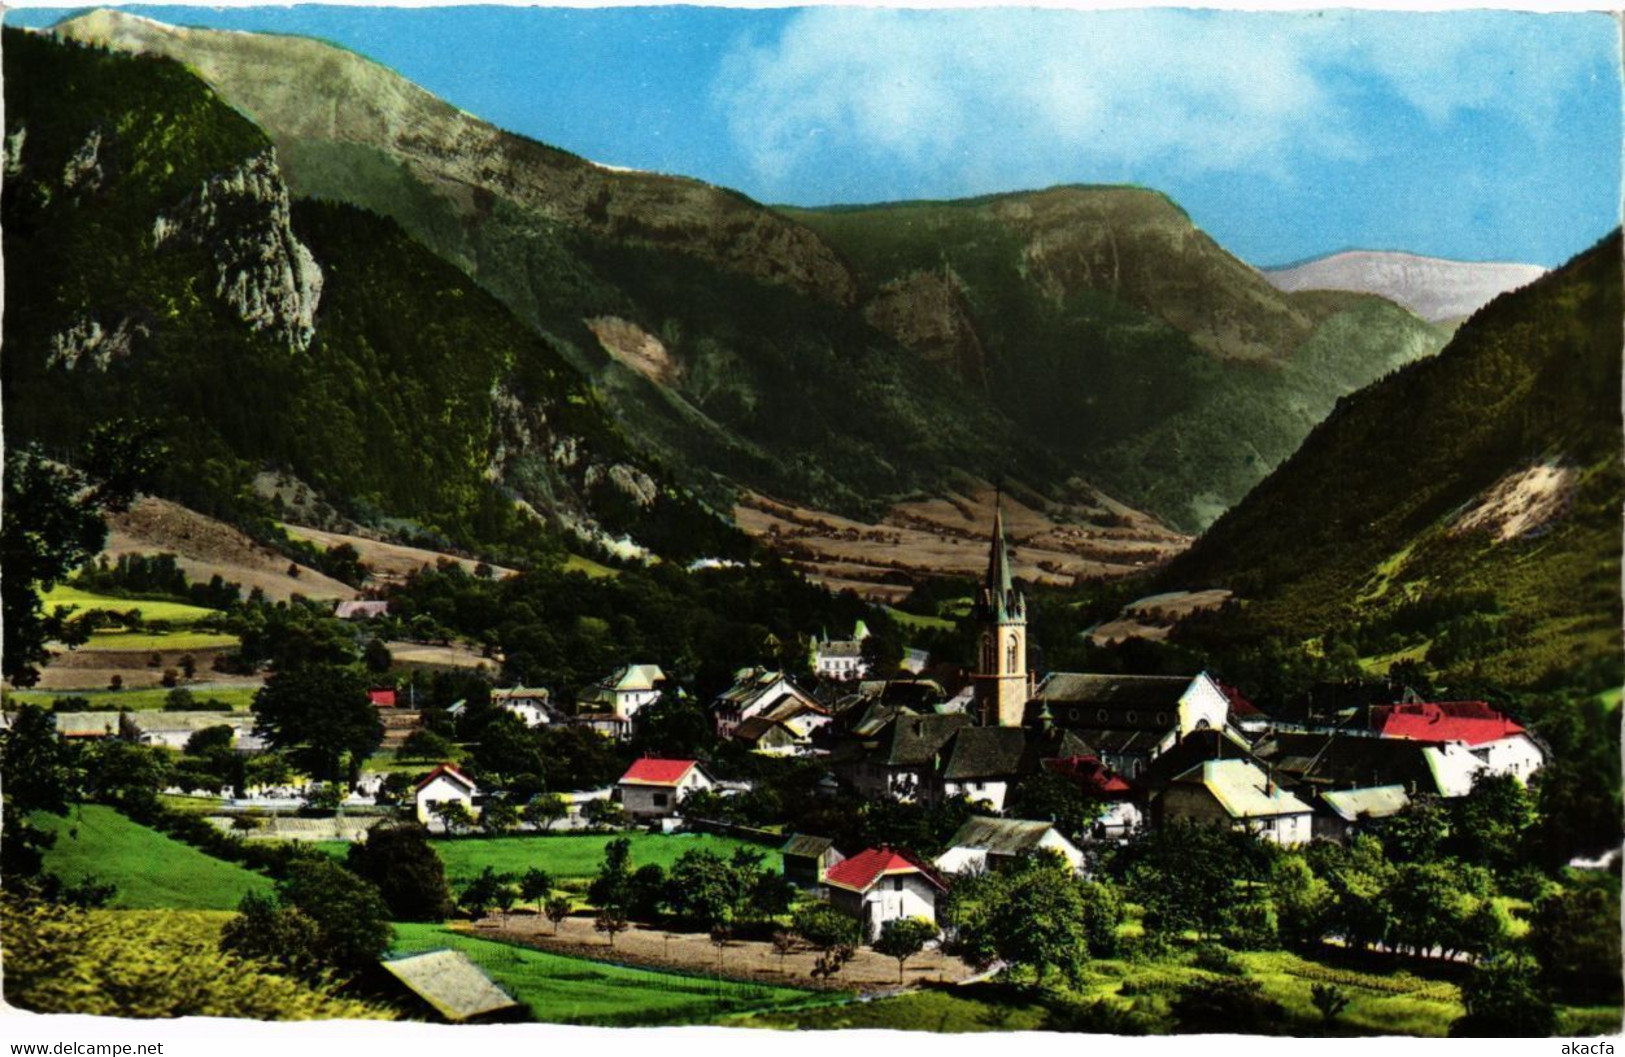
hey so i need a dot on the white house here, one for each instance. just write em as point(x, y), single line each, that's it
point(652, 788)
point(610, 704)
point(529, 704)
point(759, 691)
point(983, 843)
point(841, 659)
point(444, 783)
point(1499, 743)
point(1236, 793)
point(882, 884)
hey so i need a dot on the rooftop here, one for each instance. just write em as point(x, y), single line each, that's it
point(654, 771)
point(451, 983)
point(860, 872)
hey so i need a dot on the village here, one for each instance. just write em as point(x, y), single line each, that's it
point(837, 832)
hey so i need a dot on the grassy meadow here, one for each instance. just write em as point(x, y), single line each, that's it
point(562, 990)
point(570, 857)
point(147, 699)
point(151, 870)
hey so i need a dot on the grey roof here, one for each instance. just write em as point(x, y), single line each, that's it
point(451, 983)
point(840, 649)
point(1355, 804)
point(917, 740)
point(173, 722)
point(1243, 790)
point(86, 724)
point(805, 844)
point(1000, 836)
point(986, 752)
point(1347, 761)
point(1113, 691)
point(1103, 740)
point(756, 730)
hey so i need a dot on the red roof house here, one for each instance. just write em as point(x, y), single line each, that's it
point(861, 871)
point(1470, 722)
point(1091, 776)
point(382, 698)
point(448, 771)
point(653, 771)
point(653, 788)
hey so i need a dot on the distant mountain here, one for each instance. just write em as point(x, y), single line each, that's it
point(1462, 512)
point(1119, 334)
point(1435, 289)
point(838, 360)
point(160, 270)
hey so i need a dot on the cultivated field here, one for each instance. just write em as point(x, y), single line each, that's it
point(562, 990)
point(389, 562)
point(151, 870)
point(948, 537)
point(205, 547)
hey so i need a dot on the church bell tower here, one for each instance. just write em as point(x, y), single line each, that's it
point(1002, 684)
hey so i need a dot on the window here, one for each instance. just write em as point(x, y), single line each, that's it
point(660, 799)
point(896, 884)
point(1101, 715)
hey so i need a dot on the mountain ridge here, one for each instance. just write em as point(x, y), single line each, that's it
point(1436, 288)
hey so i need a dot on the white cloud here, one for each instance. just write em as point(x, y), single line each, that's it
point(992, 96)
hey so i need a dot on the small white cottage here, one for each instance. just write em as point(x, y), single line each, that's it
point(652, 788)
point(444, 783)
point(882, 884)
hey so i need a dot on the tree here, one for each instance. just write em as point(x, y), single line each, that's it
point(557, 909)
point(377, 657)
point(784, 944)
point(285, 938)
point(544, 810)
point(903, 938)
point(398, 858)
point(320, 716)
point(210, 740)
point(1229, 1004)
point(603, 814)
point(39, 772)
point(610, 921)
point(425, 744)
point(484, 892)
point(348, 911)
point(1185, 875)
point(498, 816)
point(1574, 937)
point(453, 815)
point(123, 773)
point(52, 525)
point(1053, 798)
point(189, 665)
point(1330, 1000)
point(508, 754)
point(1503, 1000)
point(612, 885)
point(1034, 913)
point(536, 884)
point(829, 932)
point(647, 891)
point(705, 888)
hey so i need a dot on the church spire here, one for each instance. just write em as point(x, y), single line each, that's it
point(1002, 601)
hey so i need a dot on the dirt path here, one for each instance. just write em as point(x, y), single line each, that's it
point(752, 961)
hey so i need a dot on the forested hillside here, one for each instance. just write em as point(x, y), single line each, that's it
point(172, 279)
point(1463, 513)
point(837, 359)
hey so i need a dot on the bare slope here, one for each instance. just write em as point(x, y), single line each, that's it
point(1433, 288)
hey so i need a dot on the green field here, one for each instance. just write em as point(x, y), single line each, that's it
point(575, 856)
point(561, 990)
point(234, 697)
point(918, 621)
point(173, 612)
point(151, 870)
point(168, 641)
point(939, 1011)
point(575, 563)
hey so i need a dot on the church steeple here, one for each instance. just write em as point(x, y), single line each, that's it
point(1001, 673)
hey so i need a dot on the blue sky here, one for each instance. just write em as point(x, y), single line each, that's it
point(1476, 135)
